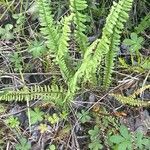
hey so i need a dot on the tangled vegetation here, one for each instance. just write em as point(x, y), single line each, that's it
point(74, 75)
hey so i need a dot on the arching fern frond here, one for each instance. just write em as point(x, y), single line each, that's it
point(51, 94)
point(110, 40)
point(48, 28)
point(83, 71)
point(131, 101)
point(144, 24)
point(77, 7)
point(112, 30)
point(140, 91)
point(57, 42)
point(62, 56)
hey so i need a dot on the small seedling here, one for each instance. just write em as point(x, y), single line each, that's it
point(20, 18)
point(37, 49)
point(95, 141)
point(52, 147)
point(84, 116)
point(54, 118)
point(23, 145)
point(16, 60)
point(36, 115)
point(141, 142)
point(135, 44)
point(123, 140)
point(13, 122)
point(6, 33)
point(43, 128)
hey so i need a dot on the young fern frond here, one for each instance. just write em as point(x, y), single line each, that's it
point(131, 101)
point(62, 54)
point(112, 30)
point(48, 28)
point(144, 24)
point(108, 45)
point(140, 91)
point(83, 71)
point(51, 94)
point(77, 7)
point(57, 42)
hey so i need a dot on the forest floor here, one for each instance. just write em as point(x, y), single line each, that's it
point(96, 119)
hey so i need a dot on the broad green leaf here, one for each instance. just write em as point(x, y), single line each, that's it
point(124, 131)
point(116, 139)
point(95, 145)
point(36, 115)
point(128, 42)
point(134, 36)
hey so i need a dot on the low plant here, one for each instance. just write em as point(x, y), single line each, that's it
point(128, 141)
point(53, 119)
point(36, 115)
point(23, 144)
point(135, 44)
point(95, 143)
point(52, 147)
point(16, 60)
point(141, 142)
point(123, 140)
point(84, 116)
point(37, 49)
point(6, 33)
point(12, 122)
point(43, 128)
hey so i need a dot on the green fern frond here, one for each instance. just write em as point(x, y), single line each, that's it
point(111, 37)
point(56, 41)
point(131, 101)
point(141, 90)
point(77, 7)
point(48, 28)
point(143, 25)
point(63, 52)
point(52, 94)
point(114, 25)
point(83, 71)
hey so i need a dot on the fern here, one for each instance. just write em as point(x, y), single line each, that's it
point(131, 101)
point(49, 28)
point(106, 46)
point(139, 91)
point(62, 54)
point(57, 41)
point(52, 94)
point(114, 24)
point(143, 25)
point(83, 71)
point(77, 7)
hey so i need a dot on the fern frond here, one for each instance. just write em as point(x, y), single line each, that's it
point(110, 40)
point(48, 28)
point(63, 52)
point(56, 41)
point(143, 25)
point(83, 71)
point(77, 7)
point(131, 101)
point(52, 94)
point(141, 90)
point(114, 25)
